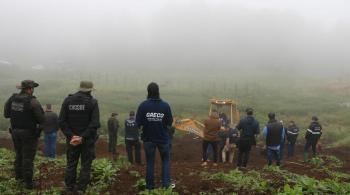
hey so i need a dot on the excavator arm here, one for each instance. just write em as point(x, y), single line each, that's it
point(190, 125)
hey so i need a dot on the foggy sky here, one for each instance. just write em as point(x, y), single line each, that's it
point(163, 33)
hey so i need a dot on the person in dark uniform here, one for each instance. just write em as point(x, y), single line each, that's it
point(292, 135)
point(313, 134)
point(274, 134)
point(79, 120)
point(113, 126)
point(132, 142)
point(155, 117)
point(249, 128)
point(50, 132)
point(26, 114)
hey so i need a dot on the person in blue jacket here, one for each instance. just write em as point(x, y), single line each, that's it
point(249, 129)
point(155, 117)
point(273, 132)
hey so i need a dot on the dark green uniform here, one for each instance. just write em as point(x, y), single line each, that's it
point(113, 126)
point(25, 113)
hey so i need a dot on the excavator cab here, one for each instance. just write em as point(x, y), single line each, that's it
point(227, 109)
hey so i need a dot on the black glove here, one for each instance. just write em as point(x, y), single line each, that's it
point(10, 130)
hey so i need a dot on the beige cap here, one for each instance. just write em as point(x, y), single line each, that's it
point(86, 86)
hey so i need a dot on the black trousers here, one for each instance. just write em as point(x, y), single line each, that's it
point(244, 147)
point(133, 147)
point(112, 142)
point(311, 142)
point(86, 153)
point(205, 145)
point(25, 142)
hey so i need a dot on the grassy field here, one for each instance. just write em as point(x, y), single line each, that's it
point(292, 96)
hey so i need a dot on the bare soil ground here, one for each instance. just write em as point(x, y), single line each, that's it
point(186, 169)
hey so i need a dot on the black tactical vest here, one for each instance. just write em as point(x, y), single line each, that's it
point(131, 129)
point(292, 133)
point(274, 134)
point(79, 109)
point(315, 129)
point(22, 116)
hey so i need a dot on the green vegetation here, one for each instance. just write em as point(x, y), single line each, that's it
point(159, 191)
point(317, 161)
point(250, 181)
point(104, 173)
point(293, 97)
point(140, 184)
point(328, 164)
point(273, 180)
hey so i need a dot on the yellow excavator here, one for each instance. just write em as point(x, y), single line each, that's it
point(227, 106)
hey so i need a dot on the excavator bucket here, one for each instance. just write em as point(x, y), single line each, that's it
point(190, 125)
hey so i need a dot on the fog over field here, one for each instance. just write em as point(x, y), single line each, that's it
point(163, 35)
point(289, 57)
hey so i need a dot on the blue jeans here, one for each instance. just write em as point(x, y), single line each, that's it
point(150, 151)
point(50, 144)
point(213, 150)
point(270, 154)
point(210, 153)
point(170, 144)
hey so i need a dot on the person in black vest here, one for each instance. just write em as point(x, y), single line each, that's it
point(79, 120)
point(25, 113)
point(249, 128)
point(292, 135)
point(274, 134)
point(113, 126)
point(132, 142)
point(50, 128)
point(312, 136)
